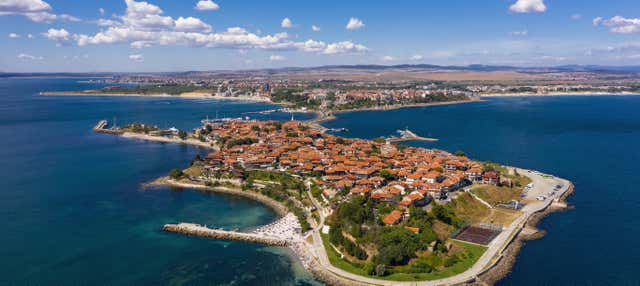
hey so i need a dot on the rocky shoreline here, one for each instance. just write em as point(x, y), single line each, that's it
point(503, 267)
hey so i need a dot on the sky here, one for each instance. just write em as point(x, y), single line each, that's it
point(183, 35)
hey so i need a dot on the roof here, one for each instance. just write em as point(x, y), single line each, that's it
point(393, 217)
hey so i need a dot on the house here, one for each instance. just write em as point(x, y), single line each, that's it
point(393, 218)
point(491, 177)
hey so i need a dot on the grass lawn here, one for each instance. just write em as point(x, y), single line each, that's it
point(475, 252)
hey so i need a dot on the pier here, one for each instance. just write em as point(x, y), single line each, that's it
point(408, 135)
point(102, 128)
point(285, 231)
point(202, 231)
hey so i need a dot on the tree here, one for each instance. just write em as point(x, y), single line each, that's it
point(182, 134)
point(460, 153)
point(381, 269)
point(176, 174)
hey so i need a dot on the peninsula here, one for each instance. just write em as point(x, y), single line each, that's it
point(363, 212)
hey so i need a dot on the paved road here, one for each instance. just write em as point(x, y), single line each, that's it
point(542, 186)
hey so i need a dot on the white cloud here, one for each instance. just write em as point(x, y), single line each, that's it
point(35, 10)
point(136, 57)
point(354, 24)
point(522, 33)
point(29, 57)
point(286, 23)
point(576, 17)
point(101, 10)
point(69, 18)
point(192, 24)
point(388, 58)
point(597, 21)
point(315, 28)
point(344, 47)
point(277, 58)
point(416, 57)
point(30, 36)
point(528, 6)
point(14, 36)
point(61, 36)
point(207, 5)
point(144, 25)
point(619, 24)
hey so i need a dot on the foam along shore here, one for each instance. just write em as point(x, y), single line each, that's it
point(191, 95)
point(573, 93)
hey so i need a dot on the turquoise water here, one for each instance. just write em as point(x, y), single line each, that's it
point(592, 141)
point(73, 211)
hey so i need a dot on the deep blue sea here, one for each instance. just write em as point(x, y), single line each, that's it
point(72, 211)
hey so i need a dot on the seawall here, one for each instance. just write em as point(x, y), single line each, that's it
point(202, 231)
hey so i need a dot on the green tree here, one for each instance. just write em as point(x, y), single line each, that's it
point(182, 134)
point(176, 174)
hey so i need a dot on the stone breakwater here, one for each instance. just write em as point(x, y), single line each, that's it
point(202, 231)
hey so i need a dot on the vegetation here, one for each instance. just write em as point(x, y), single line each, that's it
point(241, 141)
point(176, 174)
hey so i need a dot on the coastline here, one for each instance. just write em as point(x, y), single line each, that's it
point(505, 263)
point(163, 139)
point(401, 106)
point(187, 95)
point(516, 94)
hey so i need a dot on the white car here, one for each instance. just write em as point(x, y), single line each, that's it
point(541, 198)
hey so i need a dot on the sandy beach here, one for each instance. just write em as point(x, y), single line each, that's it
point(556, 94)
point(188, 95)
point(188, 141)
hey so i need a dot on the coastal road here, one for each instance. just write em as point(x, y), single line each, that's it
point(542, 185)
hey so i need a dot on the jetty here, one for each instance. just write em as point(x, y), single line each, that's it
point(193, 229)
point(102, 125)
point(285, 231)
point(408, 135)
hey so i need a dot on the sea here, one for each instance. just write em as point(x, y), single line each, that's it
point(73, 210)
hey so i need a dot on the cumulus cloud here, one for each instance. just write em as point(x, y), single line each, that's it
point(30, 36)
point(35, 10)
point(61, 36)
point(522, 33)
point(315, 28)
point(207, 5)
point(388, 58)
point(416, 57)
point(576, 17)
point(619, 24)
point(354, 24)
point(286, 23)
point(14, 36)
point(101, 11)
point(145, 25)
point(528, 6)
point(277, 58)
point(136, 57)
point(192, 24)
point(344, 47)
point(29, 57)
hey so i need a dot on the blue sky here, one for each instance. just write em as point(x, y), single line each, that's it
point(172, 35)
